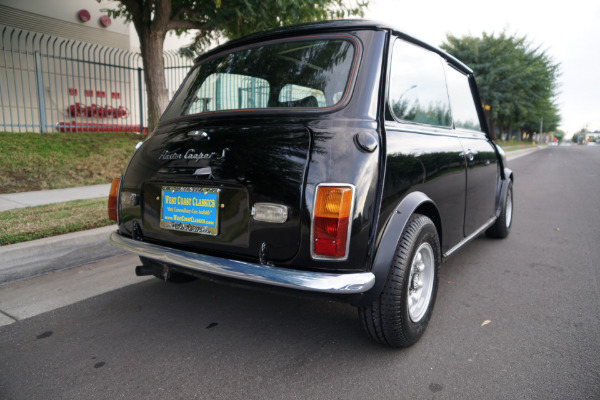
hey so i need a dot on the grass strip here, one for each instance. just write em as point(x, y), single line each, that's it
point(24, 224)
point(512, 145)
point(40, 161)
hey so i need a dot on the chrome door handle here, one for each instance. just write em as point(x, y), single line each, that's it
point(469, 154)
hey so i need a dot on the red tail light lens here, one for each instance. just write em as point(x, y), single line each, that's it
point(333, 207)
point(112, 199)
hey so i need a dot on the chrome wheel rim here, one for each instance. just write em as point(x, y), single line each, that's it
point(508, 214)
point(420, 284)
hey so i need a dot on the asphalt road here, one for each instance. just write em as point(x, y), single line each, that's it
point(515, 319)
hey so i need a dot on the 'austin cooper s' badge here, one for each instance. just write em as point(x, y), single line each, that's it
point(193, 154)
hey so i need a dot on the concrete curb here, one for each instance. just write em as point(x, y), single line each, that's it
point(37, 257)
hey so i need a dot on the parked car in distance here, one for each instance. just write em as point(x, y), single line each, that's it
point(345, 159)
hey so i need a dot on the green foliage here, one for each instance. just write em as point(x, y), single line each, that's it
point(24, 224)
point(517, 81)
point(35, 161)
point(252, 16)
point(230, 19)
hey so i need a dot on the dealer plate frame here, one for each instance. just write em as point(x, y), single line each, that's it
point(189, 192)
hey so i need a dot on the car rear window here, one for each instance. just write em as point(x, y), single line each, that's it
point(298, 74)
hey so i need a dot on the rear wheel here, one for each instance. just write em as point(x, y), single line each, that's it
point(501, 227)
point(401, 314)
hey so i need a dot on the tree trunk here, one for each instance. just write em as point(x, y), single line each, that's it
point(154, 75)
point(492, 128)
point(501, 128)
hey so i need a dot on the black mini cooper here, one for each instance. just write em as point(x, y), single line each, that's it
point(344, 158)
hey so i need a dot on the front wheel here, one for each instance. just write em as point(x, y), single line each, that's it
point(401, 314)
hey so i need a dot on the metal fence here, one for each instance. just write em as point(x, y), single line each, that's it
point(54, 84)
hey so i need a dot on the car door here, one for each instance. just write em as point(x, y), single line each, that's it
point(424, 153)
point(482, 165)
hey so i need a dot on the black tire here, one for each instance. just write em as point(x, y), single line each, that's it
point(393, 319)
point(173, 277)
point(501, 227)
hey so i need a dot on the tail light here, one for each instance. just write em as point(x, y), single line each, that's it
point(331, 221)
point(112, 199)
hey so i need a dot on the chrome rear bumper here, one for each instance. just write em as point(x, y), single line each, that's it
point(303, 280)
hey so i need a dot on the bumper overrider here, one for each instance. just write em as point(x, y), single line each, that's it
point(342, 283)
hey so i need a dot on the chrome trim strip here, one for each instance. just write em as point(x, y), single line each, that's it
point(303, 280)
point(472, 236)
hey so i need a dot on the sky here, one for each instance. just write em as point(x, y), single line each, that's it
point(569, 31)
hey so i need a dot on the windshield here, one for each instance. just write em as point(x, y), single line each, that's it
point(299, 74)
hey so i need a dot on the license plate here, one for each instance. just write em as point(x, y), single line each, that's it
point(190, 209)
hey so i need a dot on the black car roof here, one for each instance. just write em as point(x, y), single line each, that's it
point(332, 26)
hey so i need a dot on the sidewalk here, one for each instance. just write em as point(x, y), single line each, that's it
point(11, 201)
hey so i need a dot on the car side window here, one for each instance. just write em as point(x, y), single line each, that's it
point(417, 91)
point(464, 111)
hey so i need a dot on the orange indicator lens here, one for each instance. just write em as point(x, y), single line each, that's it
point(330, 226)
point(112, 199)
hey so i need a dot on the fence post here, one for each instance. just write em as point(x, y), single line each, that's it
point(39, 83)
point(141, 100)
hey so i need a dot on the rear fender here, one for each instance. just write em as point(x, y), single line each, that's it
point(384, 256)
